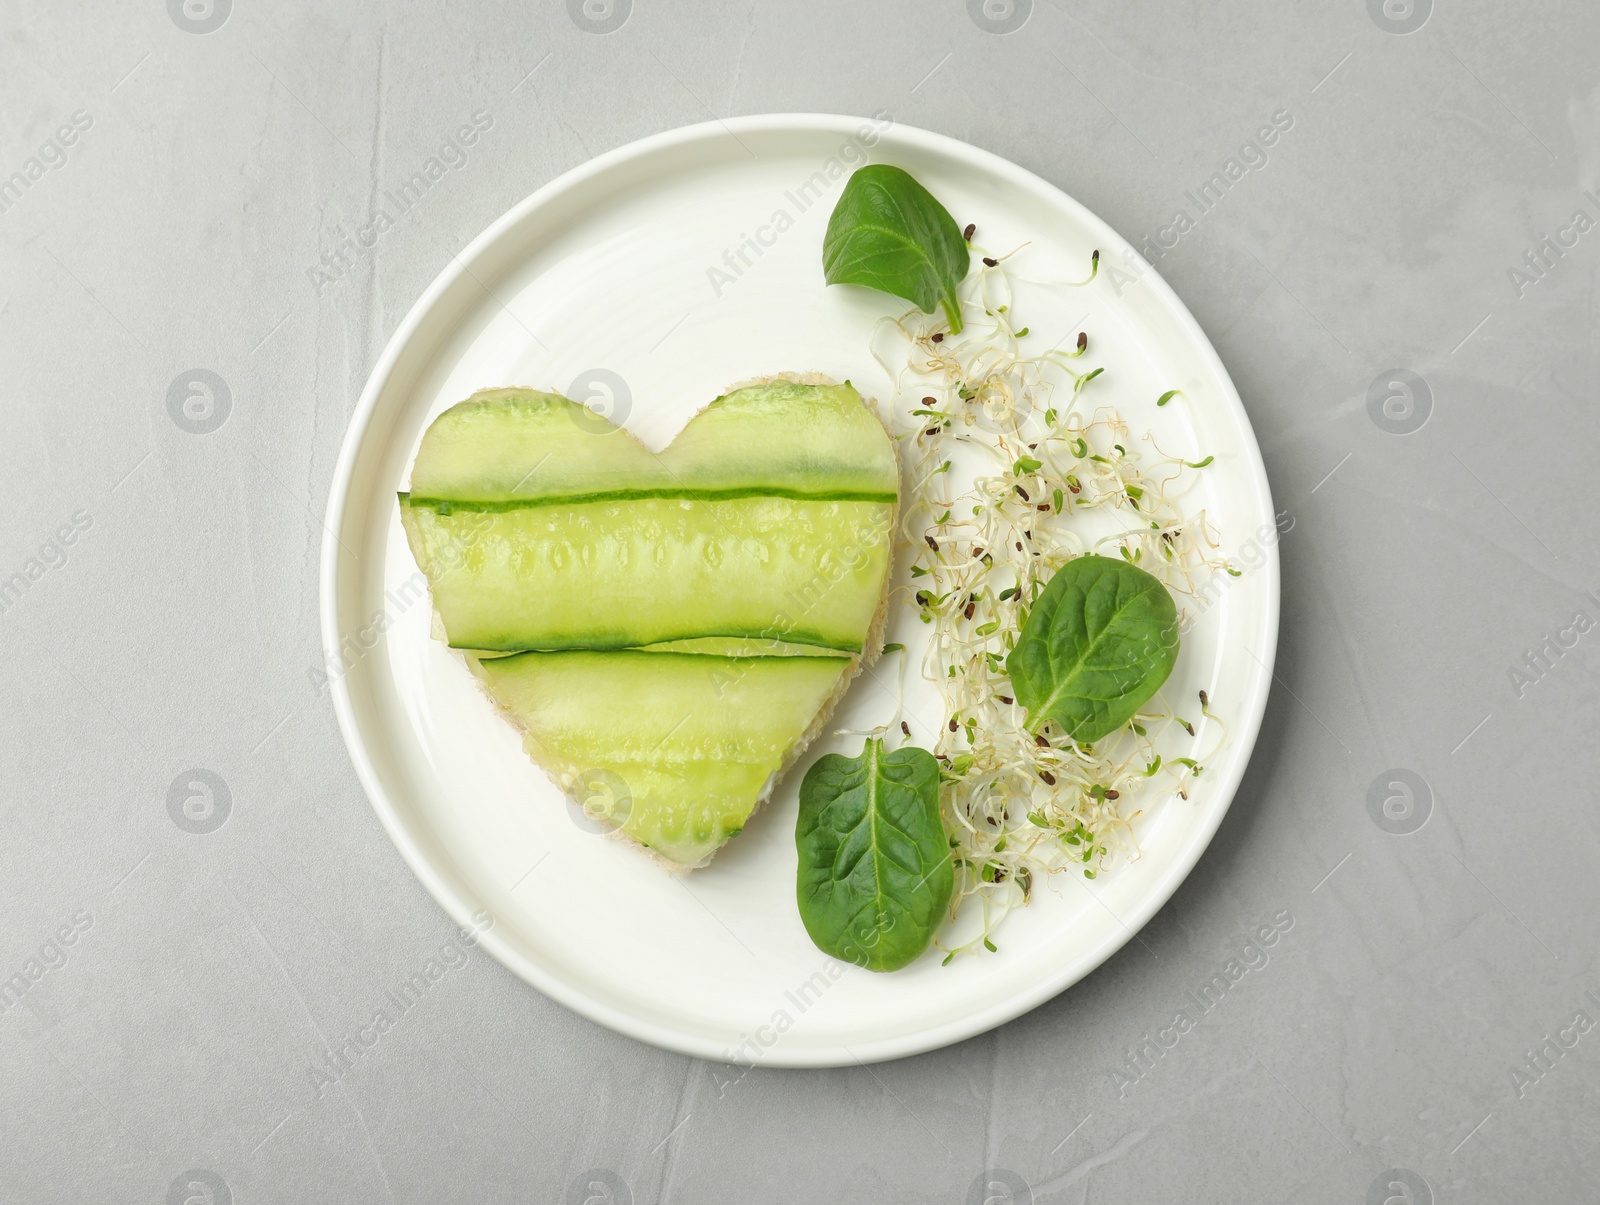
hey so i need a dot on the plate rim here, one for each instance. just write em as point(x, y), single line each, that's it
point(336, 515)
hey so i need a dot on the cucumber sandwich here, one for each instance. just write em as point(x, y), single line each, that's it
point(668, 630)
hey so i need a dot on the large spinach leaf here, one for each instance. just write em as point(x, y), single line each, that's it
point(889, 233)
point(875, 871)
point(1100, 640)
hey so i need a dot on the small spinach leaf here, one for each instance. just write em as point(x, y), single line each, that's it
point(875, 871)
point(889, 233)
point(1100, 640)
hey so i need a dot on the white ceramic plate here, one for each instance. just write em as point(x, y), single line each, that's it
point(667, 264)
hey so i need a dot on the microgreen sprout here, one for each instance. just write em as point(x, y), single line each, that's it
point(1019, 804)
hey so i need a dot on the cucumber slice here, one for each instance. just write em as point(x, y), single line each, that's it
point(718, 646)
point(781, 438)
point(694, 751)
point(733, 646)
point(620, 574)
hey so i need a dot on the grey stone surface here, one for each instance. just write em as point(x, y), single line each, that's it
point(1382, 1054)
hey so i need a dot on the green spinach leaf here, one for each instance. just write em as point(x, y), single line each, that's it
point(889, 233)
point(1100, 640)
point(875, 871)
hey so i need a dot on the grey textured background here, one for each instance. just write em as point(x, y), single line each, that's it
point(208, 971)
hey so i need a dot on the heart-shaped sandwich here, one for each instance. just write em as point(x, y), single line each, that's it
point(668, 630)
